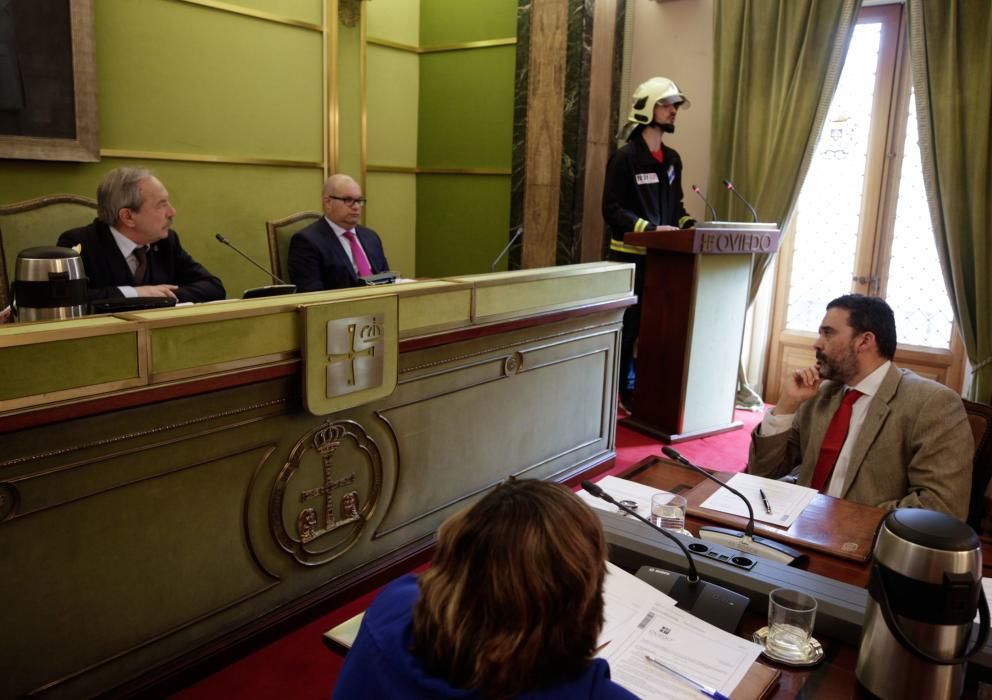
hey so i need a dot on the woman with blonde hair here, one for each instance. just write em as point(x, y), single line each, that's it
point(512, 606)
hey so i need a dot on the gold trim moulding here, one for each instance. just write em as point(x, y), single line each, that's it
point(206, 158)
point(410, 170)
point(74, 395)
point(255, 14)
point(221, 368)
point(487, 44)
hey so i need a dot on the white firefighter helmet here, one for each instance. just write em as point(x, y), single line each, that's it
point(646, 96)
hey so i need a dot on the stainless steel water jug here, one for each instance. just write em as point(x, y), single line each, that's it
point(49, 283)
point(925, 586)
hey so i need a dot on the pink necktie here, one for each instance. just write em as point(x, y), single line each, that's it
point(361, 262)
point(834, 439)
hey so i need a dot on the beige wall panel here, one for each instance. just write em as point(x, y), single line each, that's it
point(394, 20)
point(393, 95)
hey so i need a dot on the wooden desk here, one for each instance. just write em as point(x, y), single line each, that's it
point(810, 533)
point(834, 677)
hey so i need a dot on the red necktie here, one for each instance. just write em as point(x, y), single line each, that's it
point(361, 262)
point(833, 441)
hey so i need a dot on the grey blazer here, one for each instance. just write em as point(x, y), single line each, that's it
point(915, 449)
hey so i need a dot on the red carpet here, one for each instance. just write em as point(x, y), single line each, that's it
point(300, 666)
point(726, 452)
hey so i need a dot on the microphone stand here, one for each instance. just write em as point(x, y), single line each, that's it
point(741, 541)
point(520, 231)
point(717, 605)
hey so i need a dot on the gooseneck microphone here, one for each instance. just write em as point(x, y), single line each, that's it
point(600, 493)
point(706, 202)
point(730, 186)
point(275, 278)
point(282, 287)
point(715, 604)
point(741, 541)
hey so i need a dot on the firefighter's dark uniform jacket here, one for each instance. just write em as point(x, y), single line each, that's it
point(640, 193)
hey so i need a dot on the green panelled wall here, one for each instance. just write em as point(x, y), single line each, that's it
point(178, 78)
point(457, 21)
point(466, 122)
point(462, 220)
point(392, 95)
point(466, 108)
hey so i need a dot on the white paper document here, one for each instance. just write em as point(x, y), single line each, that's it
point(786, 500)
point(622, 490)
point(626, 599)
point(695, 648)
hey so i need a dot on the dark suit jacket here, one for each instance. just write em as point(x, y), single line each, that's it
point(317, 261)
point(915, 448)
point(168, 263)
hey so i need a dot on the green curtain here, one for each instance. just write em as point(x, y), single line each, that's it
point(776, 66)
point(951, 58)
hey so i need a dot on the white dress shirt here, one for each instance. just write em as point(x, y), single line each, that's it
point(773, 424)
point(127, 247)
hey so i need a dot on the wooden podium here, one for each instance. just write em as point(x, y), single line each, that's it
point(692, 326)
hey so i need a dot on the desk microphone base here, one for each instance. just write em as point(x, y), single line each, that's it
point(709, 602)
point(758, 546)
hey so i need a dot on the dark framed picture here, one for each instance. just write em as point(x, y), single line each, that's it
point(48, 107)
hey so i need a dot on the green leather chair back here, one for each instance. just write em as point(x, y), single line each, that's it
point(37, 222)
point(280, 232)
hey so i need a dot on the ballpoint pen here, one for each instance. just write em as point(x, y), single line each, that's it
point(764, 499)
point(705, 690)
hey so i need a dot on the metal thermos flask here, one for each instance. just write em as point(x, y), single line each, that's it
point(925, 586)
point(49, 283)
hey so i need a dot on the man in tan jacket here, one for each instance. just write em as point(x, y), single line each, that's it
point(858, 427)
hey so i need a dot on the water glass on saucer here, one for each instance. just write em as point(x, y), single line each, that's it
point(791, 615)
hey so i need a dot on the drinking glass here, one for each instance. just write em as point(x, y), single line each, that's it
point(790, 624)
point(668, 511)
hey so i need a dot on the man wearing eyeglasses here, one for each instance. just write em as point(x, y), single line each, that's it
point(335, 252)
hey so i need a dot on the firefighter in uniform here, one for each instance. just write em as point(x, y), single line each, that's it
point(643, 192)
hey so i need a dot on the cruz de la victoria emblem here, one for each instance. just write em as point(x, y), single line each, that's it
point(325, 492)
point(355, 354)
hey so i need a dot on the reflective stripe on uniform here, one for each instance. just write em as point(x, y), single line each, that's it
point(621, 247)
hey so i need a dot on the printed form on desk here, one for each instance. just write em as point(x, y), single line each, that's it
point(621, 490)
point(787, 501)
point(642, 621)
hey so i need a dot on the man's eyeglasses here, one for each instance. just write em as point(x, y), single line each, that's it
point(350, 201)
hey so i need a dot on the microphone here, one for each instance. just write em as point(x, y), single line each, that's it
point(730, 186)
point(707, 601)
point(270, 290)
point(741, 541)
point(518, 234)
point(706, 202)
